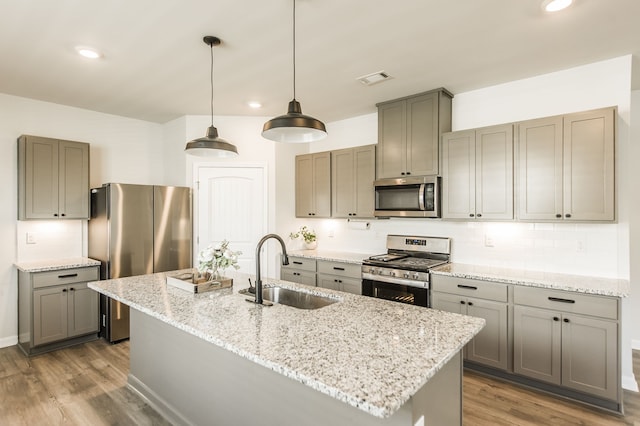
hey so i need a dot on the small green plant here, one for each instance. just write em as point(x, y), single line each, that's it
point(309, 235)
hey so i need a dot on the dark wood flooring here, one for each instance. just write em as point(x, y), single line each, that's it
point(86, 385)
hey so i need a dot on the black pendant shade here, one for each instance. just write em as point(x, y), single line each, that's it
point(294, 126)
point(211, 145)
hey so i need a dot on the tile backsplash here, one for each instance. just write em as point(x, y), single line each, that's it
point(49, 239)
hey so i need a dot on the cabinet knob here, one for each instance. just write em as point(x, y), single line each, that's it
point(479, 215)
point(71, 289)
point(63, 214)
point(55, 214)
point(64, 290)
point(462, 302)
point(566, 320)
point(556, 319)
point(558, 215)
point(402, 173)
point(408, 173)
point(567, 215)
point(470, 303)
point(471, 215)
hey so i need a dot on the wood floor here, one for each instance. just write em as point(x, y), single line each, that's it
point(86, 385)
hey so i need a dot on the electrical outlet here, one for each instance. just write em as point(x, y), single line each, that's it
point(31, 238)
point(488, 240)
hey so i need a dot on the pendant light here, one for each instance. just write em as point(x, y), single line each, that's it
point(211, 145)
point(294, 126)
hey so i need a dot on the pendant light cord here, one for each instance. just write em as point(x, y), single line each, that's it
point(211, 75)
point(294, 49)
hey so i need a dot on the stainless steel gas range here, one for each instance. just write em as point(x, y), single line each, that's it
point(402, 274)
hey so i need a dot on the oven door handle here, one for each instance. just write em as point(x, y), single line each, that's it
point(395, 280)
point(421, 197)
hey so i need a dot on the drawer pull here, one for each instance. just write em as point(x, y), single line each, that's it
point(297, 263)
point(468, 287)
point(559, 299)
point(566, 320)
point(68, 276)
point(556, 319)
point(335, 268)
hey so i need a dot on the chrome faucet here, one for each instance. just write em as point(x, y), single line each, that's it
point(285, 261)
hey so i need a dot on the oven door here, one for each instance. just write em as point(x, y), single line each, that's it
point(403, 293)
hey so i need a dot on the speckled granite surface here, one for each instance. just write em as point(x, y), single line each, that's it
point(339, 256)
point(369, 353)
point(579, 283)
point(56, 264)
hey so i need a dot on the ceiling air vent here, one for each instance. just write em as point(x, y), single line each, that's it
point(374, 78)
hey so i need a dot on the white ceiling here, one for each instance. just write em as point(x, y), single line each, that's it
point(156, 67)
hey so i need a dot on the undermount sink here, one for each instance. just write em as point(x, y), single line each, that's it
point(296, 299)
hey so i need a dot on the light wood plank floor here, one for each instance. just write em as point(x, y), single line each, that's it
point(86, 385)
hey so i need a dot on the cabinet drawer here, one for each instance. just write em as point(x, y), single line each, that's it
point(297, 276)
point(301, 263)
point(352, 270)
point(578, 303)
point(65, 276)
point(468, 287)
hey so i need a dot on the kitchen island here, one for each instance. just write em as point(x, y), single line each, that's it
point(214, 358)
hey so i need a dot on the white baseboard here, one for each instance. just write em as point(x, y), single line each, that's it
point(630, 383)
point(8, 341)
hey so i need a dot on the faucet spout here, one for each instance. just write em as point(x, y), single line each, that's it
point(285, 261)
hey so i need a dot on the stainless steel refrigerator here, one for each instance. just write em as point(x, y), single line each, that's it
point(137, 230)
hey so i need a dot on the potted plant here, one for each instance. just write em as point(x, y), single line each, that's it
point(308, 235)
point(213, 261)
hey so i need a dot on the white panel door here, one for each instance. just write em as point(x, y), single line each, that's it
point(231, 206)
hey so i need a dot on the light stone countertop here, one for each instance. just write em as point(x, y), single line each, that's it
point(336, 256)
point(370, 353)
point(57, 264)
point(578, 283)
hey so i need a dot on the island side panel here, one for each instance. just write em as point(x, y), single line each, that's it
point(191, 381)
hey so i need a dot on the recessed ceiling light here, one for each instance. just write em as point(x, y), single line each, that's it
point(555, 5)
point(88, 52)
point(255, 105)
point(373, 78)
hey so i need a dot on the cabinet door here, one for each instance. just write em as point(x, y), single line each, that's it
point(342, 183)
point(322, 184)
point(540, 169)
point(41, 178)
point(329, 281)
point(589, 165)
point(73, 183)
point(364, 158)
point(83, 313)
point(351, 285)
point(448, 302)
point(298, 276)
point(490, 346)
point(458, 175)
point(590, 356)
point(537, 344)
point(494, 172)
point(391, 161)
point(49, 315)
point(304, 185)
point(422, 135)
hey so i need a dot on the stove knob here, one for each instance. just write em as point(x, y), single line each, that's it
point(406, 275)
point(416, 277)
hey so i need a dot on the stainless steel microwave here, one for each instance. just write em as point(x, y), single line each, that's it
point(416, 196)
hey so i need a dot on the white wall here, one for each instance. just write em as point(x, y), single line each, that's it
point(122, 150)
point(634, 228)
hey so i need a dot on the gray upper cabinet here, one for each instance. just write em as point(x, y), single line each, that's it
point(53, 179)
point(352, 174)
point(409, 132)
point(313, 185)
point(477, 173)
point(566, 167)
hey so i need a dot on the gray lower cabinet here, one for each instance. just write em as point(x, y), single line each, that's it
point(301, 270)
point(340, 276)
point(483, 299)
point(568, 339)
point(56, 308)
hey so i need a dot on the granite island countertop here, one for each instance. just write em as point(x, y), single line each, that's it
point(369, 353)
point(556, 281)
